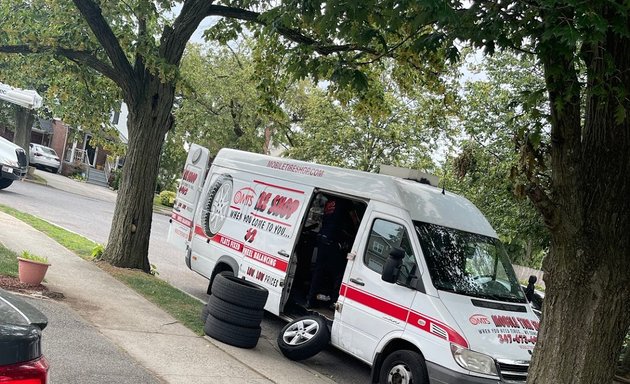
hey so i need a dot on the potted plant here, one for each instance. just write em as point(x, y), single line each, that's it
point(32, 268)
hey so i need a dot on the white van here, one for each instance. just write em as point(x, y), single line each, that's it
point(425, 291)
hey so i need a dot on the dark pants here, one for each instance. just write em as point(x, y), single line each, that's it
point(328, 273)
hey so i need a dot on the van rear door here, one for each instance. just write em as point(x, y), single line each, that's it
point(188, 193)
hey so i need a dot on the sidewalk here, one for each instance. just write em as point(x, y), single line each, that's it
point(63, 183)
point(151, 336)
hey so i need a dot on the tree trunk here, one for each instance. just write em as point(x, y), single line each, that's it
point(149, 120)
point(624, 365)
point(24, 119)
point(587, 273)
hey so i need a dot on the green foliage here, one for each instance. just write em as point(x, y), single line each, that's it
point(8, 262)
point(116, 175)
point(496, 113)
point(32, 257)
point(167, 198)
point(97, 251)
point(74, 242)
point(365, 133)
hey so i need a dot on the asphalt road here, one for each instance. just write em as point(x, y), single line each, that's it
point(79, 354)
point(91, 217)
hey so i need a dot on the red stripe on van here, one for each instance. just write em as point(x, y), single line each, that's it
point(251, 253)
point(415, 319)
point(279, 187)
point(181, 219)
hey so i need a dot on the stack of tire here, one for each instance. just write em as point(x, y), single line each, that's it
point(234, 311)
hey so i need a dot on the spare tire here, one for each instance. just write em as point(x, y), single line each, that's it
point(231, 334)
point(239, 291)
point(204, 313)
point(234, 314)
point(217, 205)
point(304, 337)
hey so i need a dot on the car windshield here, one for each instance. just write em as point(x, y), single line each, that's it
point(468, 264)
point(48, 151)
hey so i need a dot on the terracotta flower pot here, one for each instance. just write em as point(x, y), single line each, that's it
point(31, 272)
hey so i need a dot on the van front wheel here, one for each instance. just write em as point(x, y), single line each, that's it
point(4, 183)
point(403, 367)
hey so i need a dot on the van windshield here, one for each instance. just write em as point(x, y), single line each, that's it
point(468, 264)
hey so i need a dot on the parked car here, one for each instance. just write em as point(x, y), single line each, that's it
point(13, 163)
point(44, 157)
point(21, 325)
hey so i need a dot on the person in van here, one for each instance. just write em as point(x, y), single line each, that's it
point(338, 230)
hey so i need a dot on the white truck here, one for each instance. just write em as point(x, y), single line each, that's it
point(426, 293)
point(13, 162)
point(13, 159)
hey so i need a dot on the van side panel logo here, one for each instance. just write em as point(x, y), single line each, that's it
point(244, 196)
point(479, 319)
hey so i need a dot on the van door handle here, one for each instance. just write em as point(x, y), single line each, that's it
point(357, 281)
point(283, 253)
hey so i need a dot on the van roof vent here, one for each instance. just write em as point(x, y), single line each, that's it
point(410, 174)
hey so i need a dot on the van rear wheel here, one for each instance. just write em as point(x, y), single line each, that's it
point(403, 367)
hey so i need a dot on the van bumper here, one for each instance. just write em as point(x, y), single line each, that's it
point(12, 173)
point(441, 375)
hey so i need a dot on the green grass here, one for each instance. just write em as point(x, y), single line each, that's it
point(178, 304)
point(76, 243)
point(8, 262)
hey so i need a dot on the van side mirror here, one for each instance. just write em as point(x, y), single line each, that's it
point(391, 269)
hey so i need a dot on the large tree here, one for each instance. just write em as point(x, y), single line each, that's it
point(138, 47)
point(584, 51)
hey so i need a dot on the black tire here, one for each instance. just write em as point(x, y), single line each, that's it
point(231, 334)
point(4, 183)
point(204, 313)
point(238, 291)
point(304, 337)
point(234, 314)
point(403, 366)
point(214, 213)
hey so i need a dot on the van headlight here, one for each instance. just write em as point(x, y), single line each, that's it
point(474, 361)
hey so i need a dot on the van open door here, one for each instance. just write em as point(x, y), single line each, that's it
point(188, 193)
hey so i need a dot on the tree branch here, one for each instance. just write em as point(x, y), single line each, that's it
point(93, 16)
point(173, 40)
point(81, 57)
point(294, 35)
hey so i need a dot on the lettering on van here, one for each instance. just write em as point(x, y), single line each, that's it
point(262, 277)
point(514, 322)
point(190, 176)
point(479, 319)
point(279, 206)
point(187, 183)
point(301, 169)
point(244, 197)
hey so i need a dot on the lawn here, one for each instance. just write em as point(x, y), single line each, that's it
point(178, 304)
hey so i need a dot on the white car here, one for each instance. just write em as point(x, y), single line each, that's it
point(44, 157)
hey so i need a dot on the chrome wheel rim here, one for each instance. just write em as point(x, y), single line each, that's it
point(300, 332)
point(400, 374)
point(220, 207)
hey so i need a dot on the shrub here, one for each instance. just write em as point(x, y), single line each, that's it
point(167, 198)
point(29, 256)
point(97, 251)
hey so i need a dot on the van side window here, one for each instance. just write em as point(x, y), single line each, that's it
point(384, 236)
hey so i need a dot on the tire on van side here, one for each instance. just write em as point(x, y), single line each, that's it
point(217, 205)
